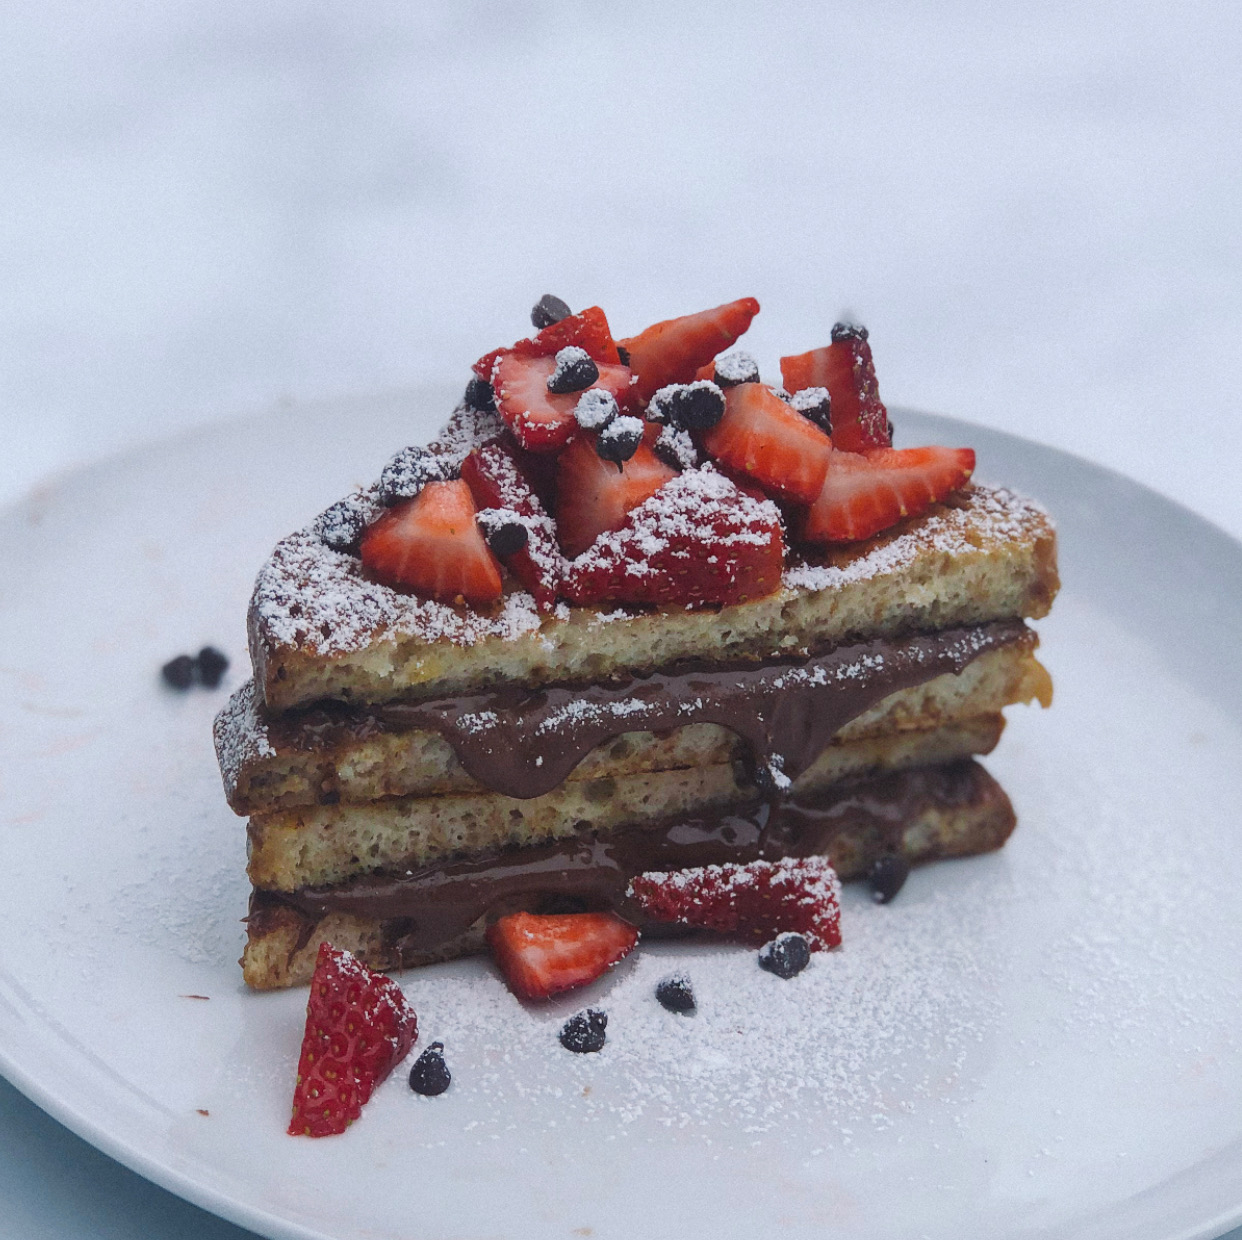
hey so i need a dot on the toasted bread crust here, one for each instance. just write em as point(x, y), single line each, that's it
point(282, 943)
point(319, 629)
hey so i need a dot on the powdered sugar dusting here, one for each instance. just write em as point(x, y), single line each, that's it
point(992, 515)
point(241, 736)
point(679, 512)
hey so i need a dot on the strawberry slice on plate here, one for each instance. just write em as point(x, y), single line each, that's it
point(588, 329)
point(543, 955)
point(762, 437)
point(432, 544)
point(359, 1027)
point(845, 368)
point(697, 540)
point(754, 902)
point(673, 351)
point(865, 493)
point(540, 420)
point(593, 495)
point(497, 480)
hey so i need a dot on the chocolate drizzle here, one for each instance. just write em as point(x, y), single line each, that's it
point(427, 908)
point(524, 744)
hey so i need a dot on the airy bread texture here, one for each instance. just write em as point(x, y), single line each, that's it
point(321, 845)
point(282, 942)
point(320, 629)
point(285, 765)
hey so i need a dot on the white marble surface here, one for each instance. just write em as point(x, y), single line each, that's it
point(209, 209)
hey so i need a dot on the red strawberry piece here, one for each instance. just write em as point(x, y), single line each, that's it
point(593, 495)
point(432, 544)
point(541, 956)
point(673, 351)
point(865, 493)
point(762, 437)
point(540, 420)
point(497, 480)
point(845, 368)
point(588, 330)
point(753, 902)
point(359, 1027)
point(697, 540)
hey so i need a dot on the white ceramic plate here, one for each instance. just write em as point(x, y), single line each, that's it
point(1040, 1043)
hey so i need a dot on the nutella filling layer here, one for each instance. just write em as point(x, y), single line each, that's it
point(523, 743)
point(424, 909)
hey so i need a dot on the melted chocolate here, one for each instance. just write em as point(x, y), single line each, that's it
point(523, 743)
point(432, 906)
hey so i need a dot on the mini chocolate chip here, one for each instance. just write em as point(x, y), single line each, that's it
point(676, 449)
point(888, 875)
point(786, 955)
point(675, 993)
point(342, 525)
point(430, 1075)
point(816, 404)
point(547, 310)
point(624, 354)
point(619, 440)
point(583, 1032)
point(408, 472)
point(507, 537)
point(694, 406)
point(179, 672)
point(596, 407)
point(212, 664)
point(575, 371)
point(481, 395)
point(735, 368)
point(848, 331)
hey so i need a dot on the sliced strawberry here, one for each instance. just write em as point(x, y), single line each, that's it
point(672, 351)
point(761, 436)
point(845, 368)
point(593, 495)
point(754, 902)
point(865, 493)
point(540, 420)
point(359, 1027)
point(497, 480)
point(697, 540)
point(541, 956)
point(588, 329)
point(432, 544)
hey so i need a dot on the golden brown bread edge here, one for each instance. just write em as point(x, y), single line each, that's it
point(319, 630)
point(282, 765)
point(282, 942)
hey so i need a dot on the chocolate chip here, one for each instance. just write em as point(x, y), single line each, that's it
point(179, 672)
point(735, 368)
point(505, 536)
point(887, 877)
point(481, 395)
point(547, 310)
point(212, 664)
point(408, 472)
point(575, 371)
point(342, 525)
point(596, 407)
point(675, 993)
point(583, 1032)
point(848, 331)
point(676, 449)
point(619, 440)
point(694, 406)
point(786, 955)
point(816, 404)
point(430, 1075)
